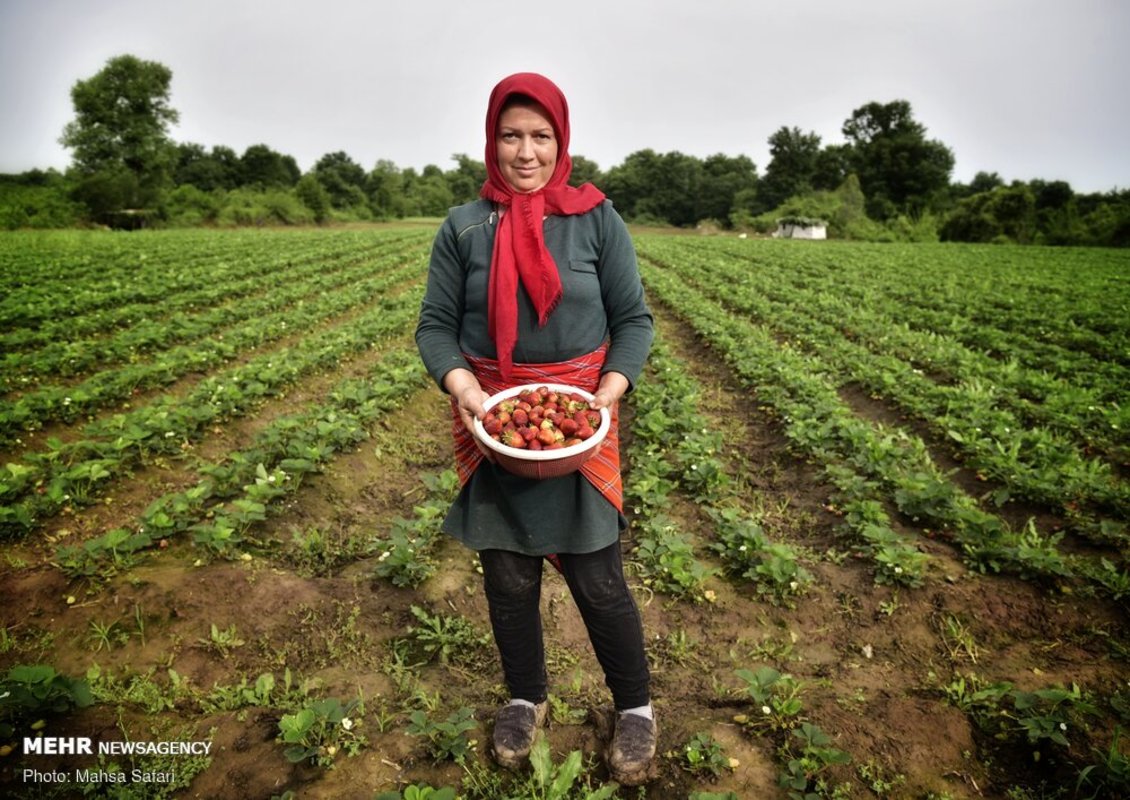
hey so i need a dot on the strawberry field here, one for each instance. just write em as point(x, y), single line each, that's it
point(878, 495)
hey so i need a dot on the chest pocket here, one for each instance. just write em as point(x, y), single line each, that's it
point(583, 281)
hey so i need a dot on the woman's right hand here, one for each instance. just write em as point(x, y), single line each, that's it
point(469, 397)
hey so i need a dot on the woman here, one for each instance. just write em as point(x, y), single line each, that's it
point(537, 282)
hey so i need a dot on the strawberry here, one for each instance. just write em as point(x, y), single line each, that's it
point(542, 418)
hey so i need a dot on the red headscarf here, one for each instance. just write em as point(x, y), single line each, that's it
point(519, 244)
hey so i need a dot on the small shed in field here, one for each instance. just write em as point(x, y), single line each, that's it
point(801, 228)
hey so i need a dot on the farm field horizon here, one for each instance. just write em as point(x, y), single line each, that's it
point(878, 499)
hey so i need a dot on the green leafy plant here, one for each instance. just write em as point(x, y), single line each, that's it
point(803, 770)
point(406, 558)
point(775, 696)
point(223, 640)
point(551, 781)
point(106, 635)
point(322, 730)
point(774, 567)
point(446, 638)
point(448, 740)
point(667, 561)
point(31, 692)
point(702, 754)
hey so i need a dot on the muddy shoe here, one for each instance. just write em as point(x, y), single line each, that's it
point(632, 750)
point(514, 729)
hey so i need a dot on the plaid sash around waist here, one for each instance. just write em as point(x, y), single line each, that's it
point(602, 470)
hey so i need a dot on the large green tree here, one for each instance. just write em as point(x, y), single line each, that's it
point(584, 171)
point(900, 170)
point(466, 179)
point(657, 187)
point(343, 179)
point(726, 182)
point(206, 171)
point(384, 186)
point(123, 155)
point(793, 160)
point(262, 168)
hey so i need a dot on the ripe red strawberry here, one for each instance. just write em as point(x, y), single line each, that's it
point(520, 417)
point(585, 432)
point(546, 437)
point(514, 439)
point(568, 426)
point(492, 425)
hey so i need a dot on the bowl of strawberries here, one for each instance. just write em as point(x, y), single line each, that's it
point(542, 430)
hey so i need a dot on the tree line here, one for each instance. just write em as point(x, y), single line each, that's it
point(887, 180)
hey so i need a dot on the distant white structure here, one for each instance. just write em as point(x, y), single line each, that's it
point(801, 228)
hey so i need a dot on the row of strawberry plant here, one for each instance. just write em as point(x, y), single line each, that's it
point(939, 290)
point(741, 541)
point(672, 450)
point(1031, 462)
point(819, 422)
point(407, 554)
point(68, 403)
point(76, 355)
point(1091, 414)
point(233, 496)
point(846, 297)
point(163, 284)
point(1066, 299)
point(77, 472)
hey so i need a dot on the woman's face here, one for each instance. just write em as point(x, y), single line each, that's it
point(526, 147)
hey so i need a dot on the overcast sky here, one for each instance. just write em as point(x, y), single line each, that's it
point(1025, 88)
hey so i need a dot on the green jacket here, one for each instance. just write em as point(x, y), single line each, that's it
point(602, 298)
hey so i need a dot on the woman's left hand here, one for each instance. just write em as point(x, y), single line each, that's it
point(612, 387)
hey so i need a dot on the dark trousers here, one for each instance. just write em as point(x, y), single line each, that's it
point(596, 581)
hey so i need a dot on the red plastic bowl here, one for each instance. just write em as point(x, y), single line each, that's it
point(540, 464)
